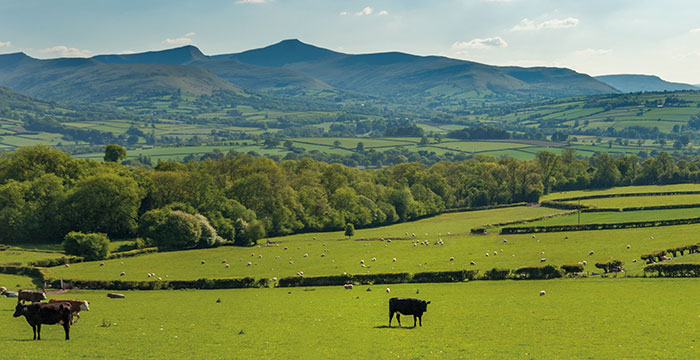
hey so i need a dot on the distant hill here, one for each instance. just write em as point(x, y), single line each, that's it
point(396, 74)
point(290, 66)
point(631, 83)
point(78, 79)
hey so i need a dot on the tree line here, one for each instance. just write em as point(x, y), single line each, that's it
point(238, 198)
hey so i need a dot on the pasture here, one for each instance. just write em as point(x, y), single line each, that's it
point(582, 319)
point(622, 190)
point(636, 201)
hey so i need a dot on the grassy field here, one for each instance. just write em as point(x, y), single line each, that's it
point(479, 320)
point(622, 190)
point(635, 201)
point(332, 253)
point(616, 217)
point(23, 256)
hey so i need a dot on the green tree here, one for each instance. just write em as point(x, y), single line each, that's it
point(114, 153)
point(90, 246)
point(360, 146)
point(179, 231)
point(349, 230)
point(106, 203)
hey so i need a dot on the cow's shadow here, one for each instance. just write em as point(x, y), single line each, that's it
point(395, 327)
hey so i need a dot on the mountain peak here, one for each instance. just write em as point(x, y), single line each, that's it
point(285, 52)
point(176, 56)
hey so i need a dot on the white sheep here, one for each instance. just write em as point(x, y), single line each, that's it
point(449, 233)
point(122, 274)
point(362, 261)
point(306, 255)
point(505, 241)
point(472, 263)
point(274, 279)
point(635, 260)
point(223, 261)
point(591, 252)
point(203, 262)
point(452, 258)
point(291, 261)
point(323, 255)
point(543, 293)
point(388, 290)
point(543, 259)
point(495, 253)
point(348, 286)
point(374, 259)
point(487, 254)
point(533, 236)
point(249, 263)
point(393, 260)
point(260, 256)
point(252, 255)
point(629, 246)
point(389, 240)
point(228, 266)
point(585, 262)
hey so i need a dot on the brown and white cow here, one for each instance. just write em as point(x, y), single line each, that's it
point(30, 295)
point(75, 307)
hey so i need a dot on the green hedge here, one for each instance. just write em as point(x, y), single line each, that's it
point(586, 227)
point(224, 283)
point(496, 274)
point(603, 196)
point(383, 278)
point(674, 269)
point(57, 261)
point(538, 272)
point(132, 253)
point(610, 266)
point(570, 269)
point(562, 205)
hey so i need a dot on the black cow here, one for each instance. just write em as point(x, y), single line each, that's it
point(43, 313)
point(405, 306)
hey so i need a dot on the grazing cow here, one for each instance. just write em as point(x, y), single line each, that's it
point(75, 307)
point(406, 306)
point(43, 313)
point(31, 296)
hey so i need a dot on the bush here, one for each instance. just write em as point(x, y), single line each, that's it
point(610, 266)
point(496, 274)
point(179, 231)
point(249, 232)
point(571, 269)
point(606, 226)
point(94, 246)
point(538, 272)
point(674, 269)
point(444, 276)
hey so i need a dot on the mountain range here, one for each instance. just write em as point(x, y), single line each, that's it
point(290, 65)
point(632, 83)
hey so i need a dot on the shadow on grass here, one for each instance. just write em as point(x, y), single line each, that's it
point(395, 327)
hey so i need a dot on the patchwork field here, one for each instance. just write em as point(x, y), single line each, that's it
point(622, 316)
point(637, 201)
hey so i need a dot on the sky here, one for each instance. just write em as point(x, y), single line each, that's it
point(597, 37)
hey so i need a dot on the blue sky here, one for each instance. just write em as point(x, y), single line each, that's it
point(592, 36)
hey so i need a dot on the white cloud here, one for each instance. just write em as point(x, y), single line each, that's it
point(382, 13)
point(5, 44)
point(65, 51)
point(592, 52)
point(696, 30)
point(526, 24)
point(182, 40)
point(126, 52)
point(366, 11)
point(491, 42)
point(343, 13)
point(251, 1)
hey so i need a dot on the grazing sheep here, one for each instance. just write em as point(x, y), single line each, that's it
point(291, 261)
point(413, 234)
point(452, 258)
point(250, 263)
point(67, 265)
point(414, 244)
point(393, 260)
point(362, 261)
point(495, 253)
point(348, 286)
point(203, 262)
point(259, 256)
point(323, 255)
point(533, 236)
point(543, 293)
point(591, 252)
point(274, 279)
point(388, 290)
point(635, 260)
point(629, 246)
point(363, 265)
point(149, 275)
point(585, 262)
point(314, 238)
point(102, 264)
point(374, 259)
point(252, 255)
point(543, 259)
point(286, 248)
point(306, 255)
point(487, 254)
point(505, 241)
point(223, 261)
point(122, 274)
point(389, 240)
point(448, 233)
point(472, 263)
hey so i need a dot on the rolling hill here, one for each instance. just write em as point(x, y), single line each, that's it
point(631, 83)
point(292, 64)
point(78, 79)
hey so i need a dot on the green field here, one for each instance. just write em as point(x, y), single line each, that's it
point(621, 190)
point(23, 256)
point(636, 201)
point(616, 217)
point(622, 318)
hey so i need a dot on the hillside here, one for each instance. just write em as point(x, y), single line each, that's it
point(399, 75)
point(630, 83)
point(76, 79)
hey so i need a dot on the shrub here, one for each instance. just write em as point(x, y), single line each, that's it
point(674, 269)
point(496, 274)
point(538, 272)
point(610, 266)
point(349, 230)
point(93, 246)
point(249, 232)
point(571, 269)
point(179, 231)
point(478, 230)
point(443, 276)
